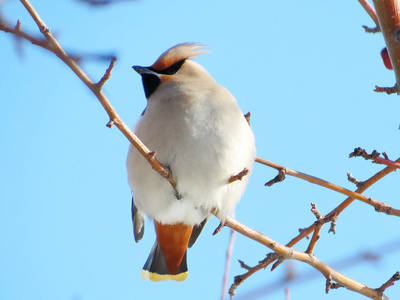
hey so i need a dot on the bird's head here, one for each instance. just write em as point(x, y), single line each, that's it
point(174, 65)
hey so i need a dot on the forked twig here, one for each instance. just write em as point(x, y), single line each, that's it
point(331, 186)
point(284, 252)
point(53, 46)
point(305, 232)
point(389, 283)
point(289, 253)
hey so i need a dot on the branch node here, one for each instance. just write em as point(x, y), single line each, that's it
point(385, 155)
point(152, 154)
point(389, 283)
point(333, 219)
point(270, 258)
point(396, 36)
point(301, 230)
point(387, 90)
point(44, 30)
point(280, 260)
point(247, 117)
point(238, 176)
point(219, 228)
point(18, 26)
point(331, 285)
point(315, 211)
point(371, 29)
point(107, 74)
point(278, 178)
point(243, 265)
point(328, 284)
point(361, 152)
point(110, 124)
point(354, 180)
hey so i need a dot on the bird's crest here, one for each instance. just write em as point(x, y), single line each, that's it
point(177, 53)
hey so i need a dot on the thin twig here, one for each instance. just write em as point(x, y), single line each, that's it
point(17, 31)
point(371, 12)
point(339, 209)
point(228, 263)
point(315, 211)
point(56, 48)
point(387, 162)
point(375, 157)
point(315, 237)
point(280, 249)
point(388, 13)
point(387, 90)
point(327, 184)
point(334, 218)
point(289, 253)
point(219, 228)
point(239, 176)
point(371, 30)
point(107, 74)
point(317, 229)
point(287, 293)
point(305, 232)
point(247, 117)
point(389, 283)
point(242, 264)
point(354, 180)
point(278, 178)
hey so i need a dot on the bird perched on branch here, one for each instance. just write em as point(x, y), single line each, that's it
point(198, 131)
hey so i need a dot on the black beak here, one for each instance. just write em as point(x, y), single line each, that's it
point(144, 70)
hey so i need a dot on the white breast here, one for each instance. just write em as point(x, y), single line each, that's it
point(203, 139)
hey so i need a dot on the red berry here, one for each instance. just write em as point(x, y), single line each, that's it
point(386, 59)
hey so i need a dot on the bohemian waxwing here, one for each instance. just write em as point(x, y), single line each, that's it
point(198, 131)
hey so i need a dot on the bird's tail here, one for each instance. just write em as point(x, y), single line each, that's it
point(155, 268)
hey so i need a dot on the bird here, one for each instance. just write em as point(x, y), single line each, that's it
point(199, 133)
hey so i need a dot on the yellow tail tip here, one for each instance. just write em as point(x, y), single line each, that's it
point(146, 275)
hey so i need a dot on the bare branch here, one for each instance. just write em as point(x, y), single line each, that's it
point(287, 293)
point(56, 48)
point(278, 178)
point(354, 180)
point(282, 252)
point(334, 218)
point(305, 232)
point(219, 228)
point(388, 13)
point(315, 238)
point(332, 285)
point(271, 257)
point(375, 157)
point(17, 31)
point(107, 74)
point(289, 253)
point(389, 283)
point(387, 90)
point(327, 184)
point(228, 263)
point(372, 13)
point(242, 264)
point(315, 211)
point(371, 30)
point(317, 229)
point(338, 210)
point(238, 176)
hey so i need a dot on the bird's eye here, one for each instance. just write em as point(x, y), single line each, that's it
point(173, 69)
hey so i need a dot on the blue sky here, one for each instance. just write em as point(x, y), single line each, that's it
point(306, 71)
